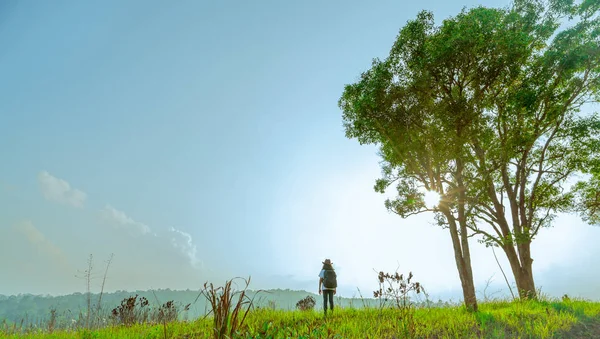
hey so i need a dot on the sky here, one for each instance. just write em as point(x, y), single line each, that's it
point(201, 140)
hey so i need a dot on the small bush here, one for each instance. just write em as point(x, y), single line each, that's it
point(131, 311)
point(168, 312)
point(306, 304)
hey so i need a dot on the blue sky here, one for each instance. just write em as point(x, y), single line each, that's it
point(201, 140)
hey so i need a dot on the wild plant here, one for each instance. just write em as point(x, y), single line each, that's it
point(229, 307)
point(395, 288)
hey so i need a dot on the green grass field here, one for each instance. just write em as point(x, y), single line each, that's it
point(531, 319)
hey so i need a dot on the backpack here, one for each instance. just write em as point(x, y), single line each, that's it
point(330, 279)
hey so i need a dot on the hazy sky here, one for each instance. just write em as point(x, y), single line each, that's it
point(202, 140)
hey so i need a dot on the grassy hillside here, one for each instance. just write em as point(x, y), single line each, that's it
point(499, 319)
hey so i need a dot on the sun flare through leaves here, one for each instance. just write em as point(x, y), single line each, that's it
point(432, 199)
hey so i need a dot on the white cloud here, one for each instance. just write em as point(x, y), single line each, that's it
point(60, 191)
point(122, 220)
point(183, 241)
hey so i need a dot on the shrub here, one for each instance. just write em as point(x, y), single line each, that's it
point(306, 304)
point(168, 312)
point(131, 311)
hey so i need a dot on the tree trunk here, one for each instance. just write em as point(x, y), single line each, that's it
point(526, 285)
point(467, 272)
point(523, 272)
point(521, 266)
point(463, 262)
point(519, 256)
point(468, 287)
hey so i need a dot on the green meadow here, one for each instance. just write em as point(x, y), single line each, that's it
point(497, 319)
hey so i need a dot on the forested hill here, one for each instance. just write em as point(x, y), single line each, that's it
point(36, 308)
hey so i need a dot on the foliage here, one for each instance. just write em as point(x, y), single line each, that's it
point(588, 194)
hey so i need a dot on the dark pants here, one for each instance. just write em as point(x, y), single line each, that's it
point(327, 294)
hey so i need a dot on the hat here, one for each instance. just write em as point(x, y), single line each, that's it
point(327, 262)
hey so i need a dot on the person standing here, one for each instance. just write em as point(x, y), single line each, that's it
point(327, 284)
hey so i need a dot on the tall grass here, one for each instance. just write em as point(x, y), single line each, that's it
point(551, 318)
point(229, 307)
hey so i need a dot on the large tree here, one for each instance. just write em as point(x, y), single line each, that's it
point(534, 142)
point(484, 110)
